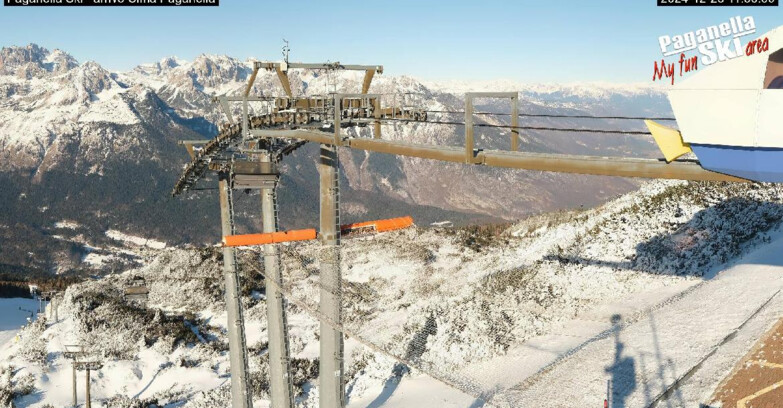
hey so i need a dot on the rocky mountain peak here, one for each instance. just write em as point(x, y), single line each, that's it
point(59, 61)
point(163, 66)
point(33, 60)
point(12, 57)
point(213, 70)
point(168, 63)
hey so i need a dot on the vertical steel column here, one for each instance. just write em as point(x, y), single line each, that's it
point(332, 392)
point(281, 388)
point(377, 114)
point(87, 402)
point(338, 111)
point(245, 119)
point(468, 128)
point(240, 391)
point(514, 123)
point(73, 366)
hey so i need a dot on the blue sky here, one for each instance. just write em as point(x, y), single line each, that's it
point(525, 40)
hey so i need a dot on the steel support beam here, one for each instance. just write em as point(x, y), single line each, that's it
point(242, 98)
point(283, 77)
point(602, 166)
point(318, 65)
point(332, 392)
point(447, 153)
point(470, 156)
point(73, 379)
point(245, 120)
point(367, 80)
point(338, 107)
point(281, 388)
point(240, 391)
point(561, 163)
point(498, 95)
point(250, 82)
point(223, 101)
point(87, 397)
point(468, 128)
point(515, 123)
point(377, 113)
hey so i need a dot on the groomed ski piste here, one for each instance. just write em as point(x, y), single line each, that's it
point(663, 337)
point(661, 291)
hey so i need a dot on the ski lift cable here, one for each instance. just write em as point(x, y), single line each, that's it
point(487, 125)
point(544, 115)
point(313, 312)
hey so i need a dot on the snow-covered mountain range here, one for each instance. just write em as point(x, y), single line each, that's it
point(81, 143)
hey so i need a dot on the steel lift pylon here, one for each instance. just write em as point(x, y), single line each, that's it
point(281, 387)
point(237, 347)
point(258, 170)
point(260, 174)
point(331, 367)
point(294, 121)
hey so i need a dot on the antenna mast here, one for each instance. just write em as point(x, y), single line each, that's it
point(286, 50)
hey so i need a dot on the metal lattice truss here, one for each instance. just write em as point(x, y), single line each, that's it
point(236, 139)
point(285, 113)
point(217, 155)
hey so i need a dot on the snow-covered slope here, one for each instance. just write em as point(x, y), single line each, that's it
point(446, 300)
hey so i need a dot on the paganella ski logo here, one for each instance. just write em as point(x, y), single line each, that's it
point(713, 44)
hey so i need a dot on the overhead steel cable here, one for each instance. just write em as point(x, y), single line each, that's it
point(488, 125)
point(462, 384)
point(545, 115)
point(230, 135)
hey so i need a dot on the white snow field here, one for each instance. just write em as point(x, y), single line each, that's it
point(693, 332)
point(645, 357)
point(12, 319)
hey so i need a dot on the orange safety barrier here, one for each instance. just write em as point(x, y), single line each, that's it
point(390, 224)
point(269, 238)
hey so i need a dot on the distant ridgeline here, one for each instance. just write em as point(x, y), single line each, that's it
point(12, 289)
point(12, 286)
